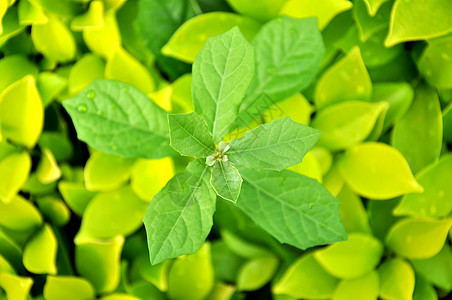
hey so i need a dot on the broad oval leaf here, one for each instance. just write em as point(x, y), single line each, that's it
point(255, 273)
point(48, 170)
point(378, 171)
point(226, 180)
point(423, 290)
point(418, 20)
point(92, 18)
point(16, 287)
point(67, 287)
point(113, 213)
point(325, 10)
point(189, 38)
point(50, 85)
point(436, 63)
point(40, 252)
point(365, 287)
point(420, 238)
point(396, 279)
point(106, 172)
point(179, 218)
point(369, 25)
point(436, 269)
point(117, 119)
point(345, 80)
point(306, 278)
point(104, 40)
point(353, 258)
point(418, 134)
point(190, 135)
point(308, 213)
point(436, 200)
point(309, 167)
point(98, 261)
point(14, 171)
point(75, 195)
point(346, 124)
point(84, 71)
point(15, 67)
point(288, 54)
point(19, 214)
point(21, 112)
point(54, 210)
point(353, 213)
point(191, 276)
point(222, 71)
point(273, 146)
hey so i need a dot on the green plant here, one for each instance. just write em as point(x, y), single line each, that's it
point(116, 118)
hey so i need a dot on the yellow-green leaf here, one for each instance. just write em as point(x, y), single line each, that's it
point(14, 170)
point(297, 107)
point(263, 10)
point(54, 210)
point(436, 200)
point(191, 276)
point(92, 18)
point(50, 85)
point(353, 213)
point(305, 278)
point(418, 134)
point(75, 195)
point(21, 112)
point(98, 261)
point(124, 67)
point(396, 280)
point(436, 63)
point(48, 170)
point(68, 288)
point(373, 5)
point(148, 176)
point(104, 40)
point(333, 179)
point(29, 13)
point(345, 80)
point(54, 40)
point(418, 20)
point(365, 287)
point(324, 10)
point(85, 70)
point(346, 124)
point(40, 252)
point(16, 287)
point(14, 67)
point(106, 172)
point(418, 238)
point(378, 171)
point(310, 167)
point(19, 214)
point(256, 272)
point(189, 38)
point(353, 258)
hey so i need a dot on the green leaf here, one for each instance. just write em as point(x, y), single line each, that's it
point(418, 20)
point(305, 278)
point(399, 96)
point(242, 247)
point(365, 287)
point(106, 172)
point(324, 10)
point(300, 205)
point(14, 171)
point(98, 261)
point(84, 71)
point(436, 200)
point(435, 63)
point(92, 18)
point(54, 40)
point(436, 269)
point(374, 5)
point(255, 273)
point(179, 218)
point(19, 214)
point(112, 213)
point(222, 72)
point(289, 52)
point(262, 10)
point(115, 118)
point(345, 80)
point(346, 124)
point(273, 146)
point(190, 135)
point(353, 213)
point(424, 290)
point(54, 210)
point(48, 170)
point(50, 86)
point(16, 287)
point(418, 238)
point(75, 195)
point(418, 134)
point(369, 25)
point(15, 67)
point(353, 258)
point(40, 252)
point(21, 112)
point(191, 276)
point(157, 275)
point(189, 38)
point(396, 279)
point(378, 171)
point(226, 180)
point(67, 287)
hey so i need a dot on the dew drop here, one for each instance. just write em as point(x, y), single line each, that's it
point(445, 56)
point(82, 108)
point(271, 69)
point(90, 94)
point(323, 225)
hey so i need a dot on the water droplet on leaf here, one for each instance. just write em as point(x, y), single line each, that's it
point(323, 225)
point(90, 94)
point(82, 108)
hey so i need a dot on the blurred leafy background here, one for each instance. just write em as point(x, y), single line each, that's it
point(70, 216)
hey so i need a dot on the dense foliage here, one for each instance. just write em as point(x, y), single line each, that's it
point(246, 136)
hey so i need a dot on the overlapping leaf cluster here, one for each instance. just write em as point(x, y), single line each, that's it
point(71, 216)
